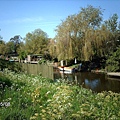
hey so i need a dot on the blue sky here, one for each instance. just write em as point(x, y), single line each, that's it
point(18, 17)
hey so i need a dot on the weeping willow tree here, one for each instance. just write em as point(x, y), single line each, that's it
point(102, 38)
point(52, 48)
point(82, 35)
point(64, 41)
point(91, 19)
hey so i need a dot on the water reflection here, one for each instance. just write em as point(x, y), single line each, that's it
point(94, 81)
point(92, 84)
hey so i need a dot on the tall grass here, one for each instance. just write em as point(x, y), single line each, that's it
point(29, 97)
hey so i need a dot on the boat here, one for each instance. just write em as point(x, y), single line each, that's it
point(66, 69)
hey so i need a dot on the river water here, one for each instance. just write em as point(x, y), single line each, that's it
point(97, 82)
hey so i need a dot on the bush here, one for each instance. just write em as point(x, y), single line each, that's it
point(42, 61)
point(14, 66)
point(113, 61)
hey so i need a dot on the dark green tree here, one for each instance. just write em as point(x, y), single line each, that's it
point(2, 47)
point(113, 61)
point(113, 26)
point(36, 42)
point(10, 48)
point(16, 41)
point(22, 51)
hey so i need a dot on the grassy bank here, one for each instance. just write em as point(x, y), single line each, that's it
point(28, 97)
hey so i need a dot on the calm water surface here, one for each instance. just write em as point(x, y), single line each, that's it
point(95, 81)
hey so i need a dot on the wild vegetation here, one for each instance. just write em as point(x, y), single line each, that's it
point(28, 97)
point(14, 66)
point(84, 36)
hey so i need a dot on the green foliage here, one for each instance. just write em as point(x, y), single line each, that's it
point(36, 42)
point(113, 61)
point(14, 66)
point(52, 49)
point(1, 38)
point(22, 52)
point(34, 97)
point(75, 35)
point(10, 47)
point(91, 16)
point(85, 35)
point(42, 61)
point(111, 23)
point(2, 47)
point(16, 40)
point(22, 55)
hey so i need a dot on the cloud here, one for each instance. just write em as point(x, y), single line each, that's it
point(32, 19)
point(22, 20)
point(43, 24)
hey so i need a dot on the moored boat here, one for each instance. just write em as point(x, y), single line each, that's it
point(67, 69)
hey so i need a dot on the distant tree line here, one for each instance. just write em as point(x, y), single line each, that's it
point(84, 36)
point(35, 42)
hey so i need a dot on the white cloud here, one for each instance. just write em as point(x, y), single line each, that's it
point(22, 20)
point(36, 20)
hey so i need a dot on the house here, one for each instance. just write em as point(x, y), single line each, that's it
point(34, 58)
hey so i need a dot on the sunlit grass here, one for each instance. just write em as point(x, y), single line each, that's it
point(28, 97)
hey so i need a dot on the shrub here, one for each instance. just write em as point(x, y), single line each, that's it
point(42, 61)
point(14, 66)
point(113, 61)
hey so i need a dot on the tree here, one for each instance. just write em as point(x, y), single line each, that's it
point(0, 38)
point(36, 42)
point(111, 23)
point(22, 51)
point(9, 47)
point(52, 48)
point(113, 61)
point(63, 41)
point(16, 41)
point(75, 34)
point(91, 17)
point(113, 26)
point(2, 47)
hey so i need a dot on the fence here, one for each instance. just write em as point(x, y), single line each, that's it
point(44, 70)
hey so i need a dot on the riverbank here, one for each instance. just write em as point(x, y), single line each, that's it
point(115, 74)
point(109, 74)
point(34, 97)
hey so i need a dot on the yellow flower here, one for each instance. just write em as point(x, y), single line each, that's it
point(33, 117)
point(107, 98)
point(76, 115)
point(44, 119)
point(115, 98)
point(43, 111)
point(41, 106)
point(36, 114)
point(55, 110)
point(115, 104)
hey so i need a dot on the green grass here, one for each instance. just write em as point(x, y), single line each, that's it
point(29, 97)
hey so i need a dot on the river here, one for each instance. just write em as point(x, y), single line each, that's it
point(97, 82)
